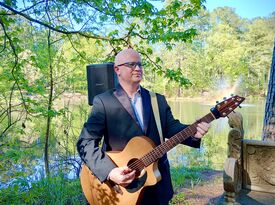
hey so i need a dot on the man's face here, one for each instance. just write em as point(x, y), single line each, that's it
point(128, 67)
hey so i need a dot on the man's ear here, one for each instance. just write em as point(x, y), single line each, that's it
point(117, 70)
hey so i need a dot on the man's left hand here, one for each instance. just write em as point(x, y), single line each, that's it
point(202, 129)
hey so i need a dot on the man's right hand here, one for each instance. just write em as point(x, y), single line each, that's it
point(122, 176)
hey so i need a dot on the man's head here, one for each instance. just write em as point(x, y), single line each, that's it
point(128, 67)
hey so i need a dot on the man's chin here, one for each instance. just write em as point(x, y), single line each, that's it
point(137, 78)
